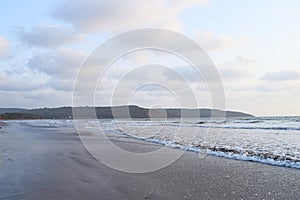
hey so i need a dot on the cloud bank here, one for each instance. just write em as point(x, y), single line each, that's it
point(282, 76)
point(4, 47)
point(114, 15)
point(49, 36)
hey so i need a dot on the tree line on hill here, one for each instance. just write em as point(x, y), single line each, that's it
point(12, 116)
point(114, 112)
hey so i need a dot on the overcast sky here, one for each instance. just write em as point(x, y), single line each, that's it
point(254, 45)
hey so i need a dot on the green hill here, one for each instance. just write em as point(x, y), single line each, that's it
point(116, 112)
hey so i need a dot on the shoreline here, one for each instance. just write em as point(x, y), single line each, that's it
point(51, 163)
point(223, 154)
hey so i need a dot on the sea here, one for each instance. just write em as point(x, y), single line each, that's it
point(268, 140)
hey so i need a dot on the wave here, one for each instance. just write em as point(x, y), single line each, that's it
point(255, 127)
point(224, 126)
point(267, 156)
point(228, 124)
point(227, 152)
point(249, 121)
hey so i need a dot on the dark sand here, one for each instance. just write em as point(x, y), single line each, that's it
point(50, 163)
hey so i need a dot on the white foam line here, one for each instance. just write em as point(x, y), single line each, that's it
point(268, 161)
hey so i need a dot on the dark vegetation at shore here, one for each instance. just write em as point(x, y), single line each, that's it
point(12, 116)
point(114, 112)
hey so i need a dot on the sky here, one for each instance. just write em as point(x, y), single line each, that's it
point(254, 46)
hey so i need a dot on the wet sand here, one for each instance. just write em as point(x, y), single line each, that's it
point(50, 163)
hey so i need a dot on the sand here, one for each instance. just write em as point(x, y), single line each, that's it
point(50, 163)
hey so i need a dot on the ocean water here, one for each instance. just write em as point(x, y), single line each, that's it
point(269, 140)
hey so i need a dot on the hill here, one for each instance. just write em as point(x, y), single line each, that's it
point(122, 112)
point(13, 116)
point(11, 110)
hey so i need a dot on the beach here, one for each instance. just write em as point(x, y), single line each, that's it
point(51, 163)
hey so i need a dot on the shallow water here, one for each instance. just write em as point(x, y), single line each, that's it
point(270, 140)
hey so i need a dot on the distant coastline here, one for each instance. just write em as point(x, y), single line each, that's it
point(115, 112)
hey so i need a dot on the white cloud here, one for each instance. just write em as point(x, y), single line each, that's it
point(282, 76)
point(60, 84)
point(113, 15)
point(21, 80)
point(239, 69)
point(4, 47)
point(62, 63)
point(214, 42)
point(35, 99)
point(3, 78)
point(233, 74)
point(245, 59)
point(49, 36)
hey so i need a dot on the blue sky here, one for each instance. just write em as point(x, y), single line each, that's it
point(254, 45)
